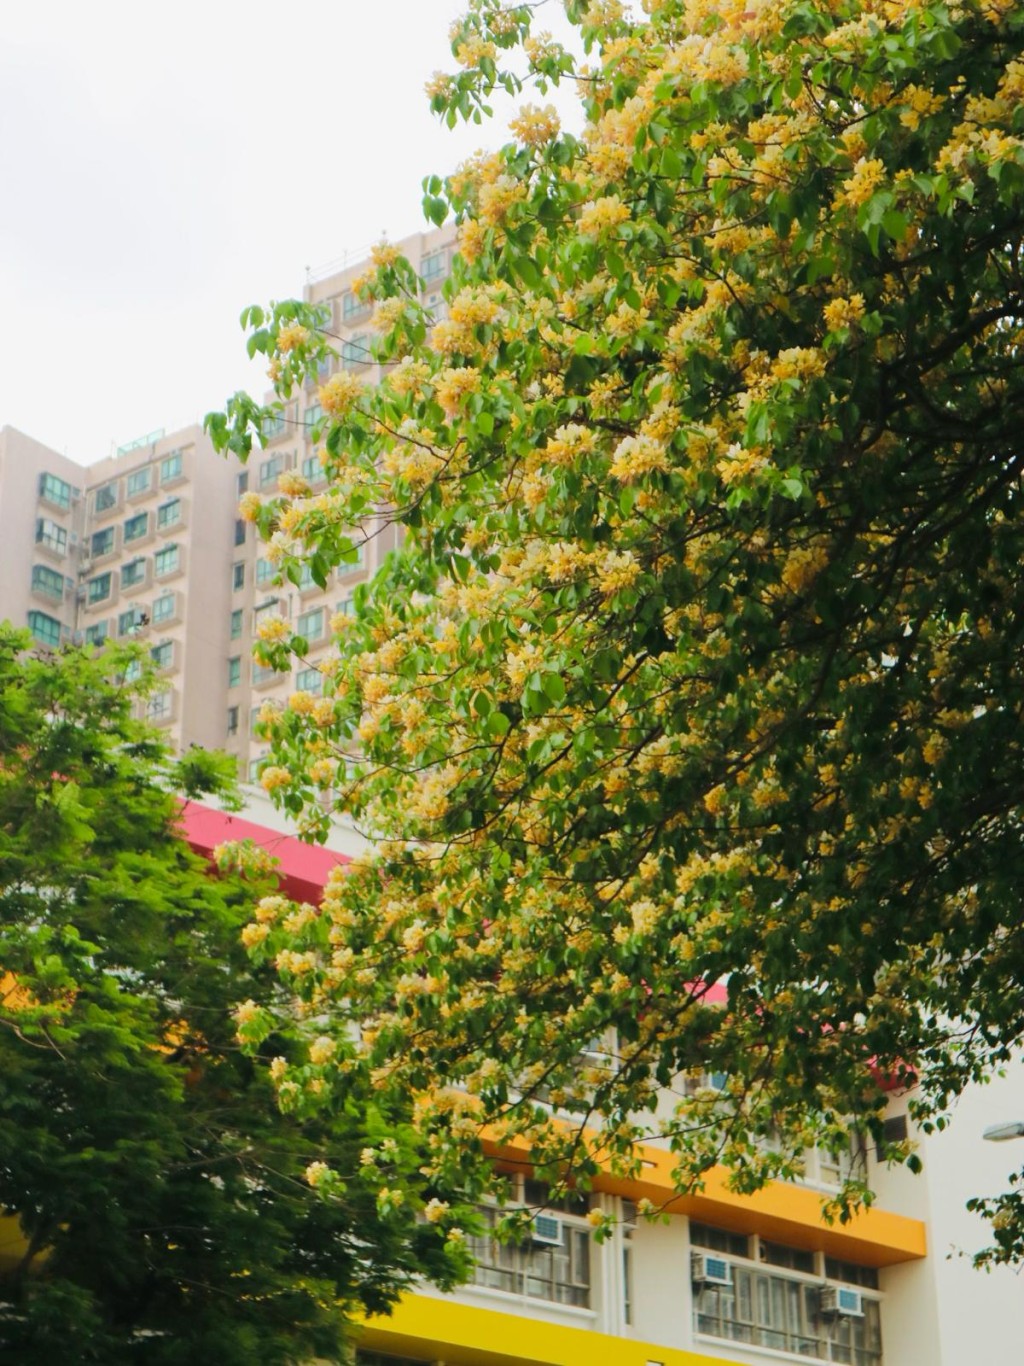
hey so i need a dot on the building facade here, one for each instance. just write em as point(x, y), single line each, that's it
point(721, 1278)
point(120, 550)
point(148, 544)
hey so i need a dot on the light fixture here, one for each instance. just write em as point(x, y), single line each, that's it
point(999, 1133)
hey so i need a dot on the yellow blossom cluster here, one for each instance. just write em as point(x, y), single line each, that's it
point(340, 394)
point(273, 629)
point(536, 126)
point(840, 313)
point(274, 777)
point(453, 387)
point(866, 177)
point(292, 336)
point(636, 456)
point(602, 215)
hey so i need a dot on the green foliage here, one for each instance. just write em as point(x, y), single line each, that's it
point(700, 660)
point(164, 1200)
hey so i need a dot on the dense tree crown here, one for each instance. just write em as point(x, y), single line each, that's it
point(700, 662)
point(166, 1205)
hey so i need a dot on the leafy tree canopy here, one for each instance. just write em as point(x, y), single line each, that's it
point(701, 659)
point(166, 1205)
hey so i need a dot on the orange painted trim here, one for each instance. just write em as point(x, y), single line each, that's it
point(782, 1212)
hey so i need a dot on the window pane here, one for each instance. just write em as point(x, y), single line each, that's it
point(163, 607)
point(99, 587)
point(51, 534)
point(54, 490)
point(49, 582)
point(102, 542)
point(170, 467)
point(45, 629)
point(105, 498)
point(136, 526)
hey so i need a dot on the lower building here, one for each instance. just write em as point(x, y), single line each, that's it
point(725, 1278)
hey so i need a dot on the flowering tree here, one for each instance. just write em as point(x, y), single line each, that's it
point(164, 1202)
point(699, 664)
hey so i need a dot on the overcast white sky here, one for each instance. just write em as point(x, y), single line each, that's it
point(161, 167)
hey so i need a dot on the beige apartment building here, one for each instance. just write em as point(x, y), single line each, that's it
point(120, 550)
point(148, 545)
point(256, 590)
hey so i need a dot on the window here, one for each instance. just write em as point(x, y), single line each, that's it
point(56, 491)
point(97, 633)
point(236, 623)
point(169, 513)
point(232, 721)
point(254, 769)
point(347, 607)
point(352, 306)
point(437, 309)
point(102, 542)
point(234, 671)
point(261, 674)
point(894, 1130)
point(272, 426)
point(306, 579)
point(167, 560)
point(133, 573)
point(45, 629)
point(52, 535)
point(138, 482)
point(242, 483)
point(160, 705)
point(785, 1311)
point(105, 497)
point(270, 469)
point(434, 266)
point(311, 624)
point(238, 575)
point(132, 670)
point(49, 582)
point(312, 469)
point(313, 414)
point(130, 621)
point(309, 680)
point(356, 351)
point(99, 588)
point(265, 570)
point(136, 526)
point(163, 654)
point(558, 1271)
point(171, 467)
point(239, 531)
point(164, 607)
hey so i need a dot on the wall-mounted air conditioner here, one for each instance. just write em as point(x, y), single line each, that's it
point(841, 1301)
point(707, 1269)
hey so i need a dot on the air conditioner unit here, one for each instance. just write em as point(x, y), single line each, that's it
point(707, 1269)
point(547, 1229)
point(840, 1301)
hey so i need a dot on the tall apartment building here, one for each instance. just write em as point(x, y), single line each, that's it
point(255, 590)
point(121, 550)
point(148, 544)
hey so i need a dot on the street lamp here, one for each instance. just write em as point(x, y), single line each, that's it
point(999, 1133)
